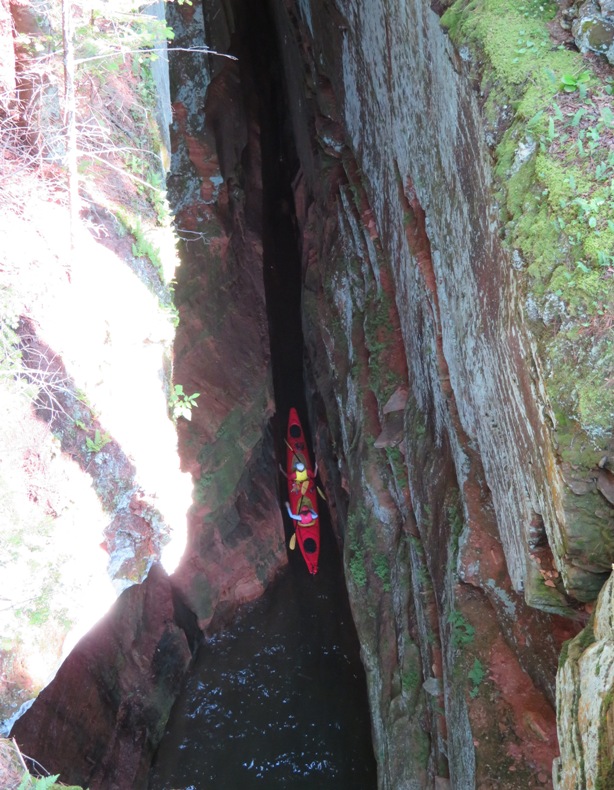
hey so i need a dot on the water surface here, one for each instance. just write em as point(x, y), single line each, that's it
point(279, 699)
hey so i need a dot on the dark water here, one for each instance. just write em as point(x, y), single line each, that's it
point(279, 699)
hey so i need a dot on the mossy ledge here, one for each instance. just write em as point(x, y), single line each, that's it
point(552, 132)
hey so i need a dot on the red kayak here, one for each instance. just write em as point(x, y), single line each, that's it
point(302, 494)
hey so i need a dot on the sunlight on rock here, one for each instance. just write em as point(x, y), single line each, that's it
point(115, 337)
point(52, 527)
point(100, 339)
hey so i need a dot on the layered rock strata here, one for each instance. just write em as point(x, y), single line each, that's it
point(465, 536)
point(585, 693)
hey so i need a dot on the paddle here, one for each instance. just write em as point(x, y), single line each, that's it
point(292, 544)
point(289, 446)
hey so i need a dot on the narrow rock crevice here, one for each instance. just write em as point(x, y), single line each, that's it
point(342, 253)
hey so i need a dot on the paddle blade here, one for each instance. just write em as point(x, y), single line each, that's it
point(292, 545)
point(321, 493)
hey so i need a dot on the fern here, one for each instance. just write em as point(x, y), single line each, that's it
point(32, 783)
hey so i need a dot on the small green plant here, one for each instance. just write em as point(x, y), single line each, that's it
point(397, 465)
point(410, 680)
point(462, 632)
point(356, 562)
point(135, 164)
point(29, 782)
point(99, 441)
point(357, 568)
point(423, 577)
point(181, 404)
point(157, 196)
point(143, 248)
point(476, 675)
point(569, 83)
point(455, 521)
point(382, 569)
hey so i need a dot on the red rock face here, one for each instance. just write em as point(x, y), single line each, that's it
point(100, 719)
point(222, 349)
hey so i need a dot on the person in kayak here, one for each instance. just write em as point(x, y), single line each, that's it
point(305, 515)
point(300, 476)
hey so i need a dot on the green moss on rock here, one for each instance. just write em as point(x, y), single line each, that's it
point(555, 177)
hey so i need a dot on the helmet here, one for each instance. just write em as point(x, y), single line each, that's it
point(300, 466)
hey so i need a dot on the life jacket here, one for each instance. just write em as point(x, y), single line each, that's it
point(299, 476)
point(306, 518)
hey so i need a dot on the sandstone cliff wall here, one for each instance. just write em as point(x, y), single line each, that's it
point(430, 398)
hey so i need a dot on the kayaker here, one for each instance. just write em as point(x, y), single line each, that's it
point(305, 515)
point(301, 473)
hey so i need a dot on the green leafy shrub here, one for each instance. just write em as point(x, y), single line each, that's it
point(181, 404)
point(99, 441)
